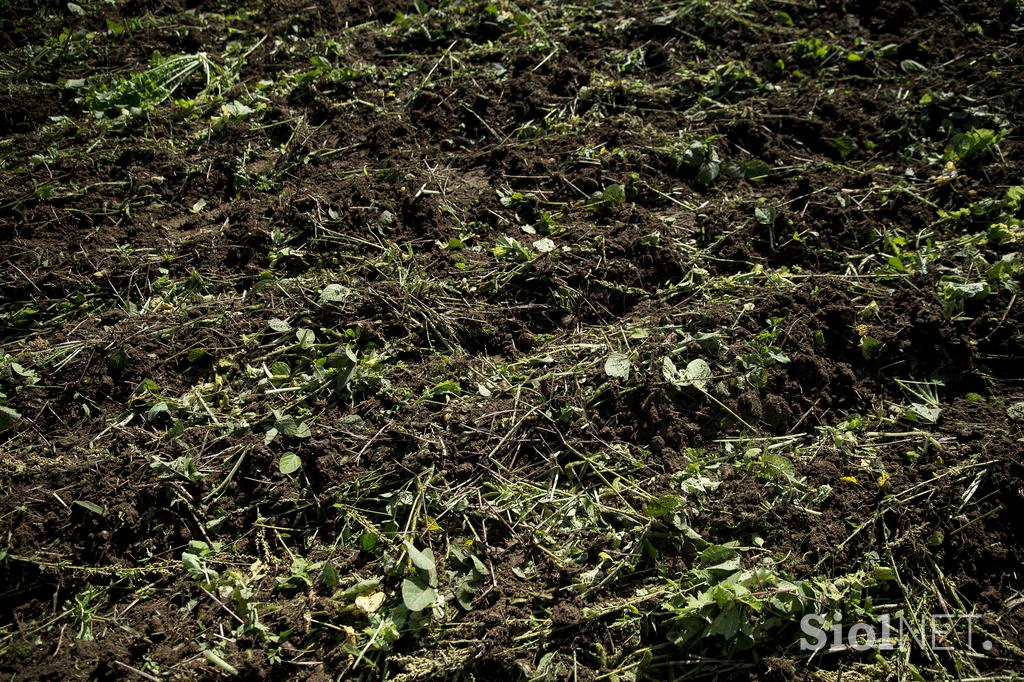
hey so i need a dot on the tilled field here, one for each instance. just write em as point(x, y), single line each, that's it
point(511, 340)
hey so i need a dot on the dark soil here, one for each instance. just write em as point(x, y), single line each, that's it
point(143, 259)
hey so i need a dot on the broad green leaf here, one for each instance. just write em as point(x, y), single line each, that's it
point(698, 373)
point(707, 172)
point(289, 463)
point(279, 325)
point(869, 347)
point(756, 169)
point(367, 542)
point(422, 559)
point(662, 506)
point(726, 623)
point(765, 214)
point(305, 337)
point(883, 573)
point(615, 195)
point(478, 565)
point(716, 554)
point(288, 426)
point(669, 371)
point(727, 566)
point(197, 354)
point(8, 418)
point(449, 386)
point(416, 595)
point(617, 365)
point(333, 293)
point(544, 245)
point(343, 359)
point(236, 108)
point(464, 594)
point(352, 422)
point(158, 409)
point(196, 568)
point(927, 413)
point(30, 377)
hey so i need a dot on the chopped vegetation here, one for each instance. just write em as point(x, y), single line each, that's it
point(512, 339)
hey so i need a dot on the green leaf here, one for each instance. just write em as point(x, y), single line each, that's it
point(464, 594)
point(726, 623)
point(707, 172)
point(756, 170)
point(333, 293)
point(416, 595)
point(716, 554)
point(30, 377)
point(846, 146)
point(306, 338)
point(662, 506)
point(765, 215)
point(216, 659)
point(972, 143)
point(8, 418)
point(478, 565)
point(510, 249)
point(697, 374)
point(194, 565)
point(927, 413)
point(544, 245)
point(156, 411)
point(870, 347)
point(669, 371)
point(910, 66)
point(236, 109)
point(279, 325)
point(290, 427)
point(289, 463)
point(618, 365)
point(883, 574)
point(352, 422)
point(422, 559)
point(449, 386)
point(615, 195)
point(91, 506)
point(197, 354)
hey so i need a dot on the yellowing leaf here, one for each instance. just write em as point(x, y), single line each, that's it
point(369, 603)
point(849, 479)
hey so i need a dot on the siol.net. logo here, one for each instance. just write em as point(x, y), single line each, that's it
point(937, 631)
